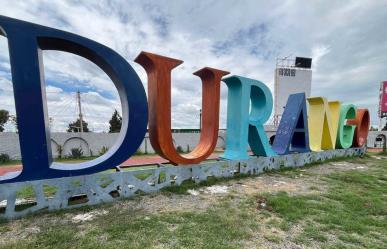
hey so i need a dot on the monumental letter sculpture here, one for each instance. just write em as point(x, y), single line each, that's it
point(26, 42)
point(159, 70)
point(292, 133)
point(345, 131)
point(322, 122)
point(249, 107)
point(243, 127)
point(362, 123)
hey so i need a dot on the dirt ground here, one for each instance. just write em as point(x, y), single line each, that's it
point(301, 181)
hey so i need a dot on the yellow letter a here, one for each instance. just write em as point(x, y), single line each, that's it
point(323, 122)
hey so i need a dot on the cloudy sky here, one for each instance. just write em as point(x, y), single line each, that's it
point(346, 39)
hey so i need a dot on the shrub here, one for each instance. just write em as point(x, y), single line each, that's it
point(103, 150)
point(138, 152)
point(59, 149)
point(4, 158)
point(76, 153)
point(179, 149)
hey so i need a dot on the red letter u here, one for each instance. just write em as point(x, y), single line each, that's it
point(159, 70)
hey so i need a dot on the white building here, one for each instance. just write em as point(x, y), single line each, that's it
point(290, 76)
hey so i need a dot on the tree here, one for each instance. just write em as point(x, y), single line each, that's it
point(13, 120)
point(76, 126)
point(4, 116)
point(115, 122)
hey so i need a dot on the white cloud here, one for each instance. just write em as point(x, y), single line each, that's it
point(317, 53)
point(347, 41)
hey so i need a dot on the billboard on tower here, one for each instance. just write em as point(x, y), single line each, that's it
point(383, 100)
point(290, 80)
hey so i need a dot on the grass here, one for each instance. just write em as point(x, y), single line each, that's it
point(28, 191)
point(11, 163)
point(384, 153)
point(351, 213)
point(217, 227)
point(353, 209)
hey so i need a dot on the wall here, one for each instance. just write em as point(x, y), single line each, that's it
point(371, 140)
point(91, 143)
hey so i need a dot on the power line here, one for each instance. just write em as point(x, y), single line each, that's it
point(64, 107)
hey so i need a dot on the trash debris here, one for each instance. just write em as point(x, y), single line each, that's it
point(216, 190)
point(193, 192)
point(262, 204)
point(88, 216)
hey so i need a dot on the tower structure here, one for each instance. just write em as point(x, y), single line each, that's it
point(291, 75)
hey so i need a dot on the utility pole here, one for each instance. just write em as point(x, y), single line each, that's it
point(80, 110)
point(200, 120)
point(380, 124)
point(50, 121)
